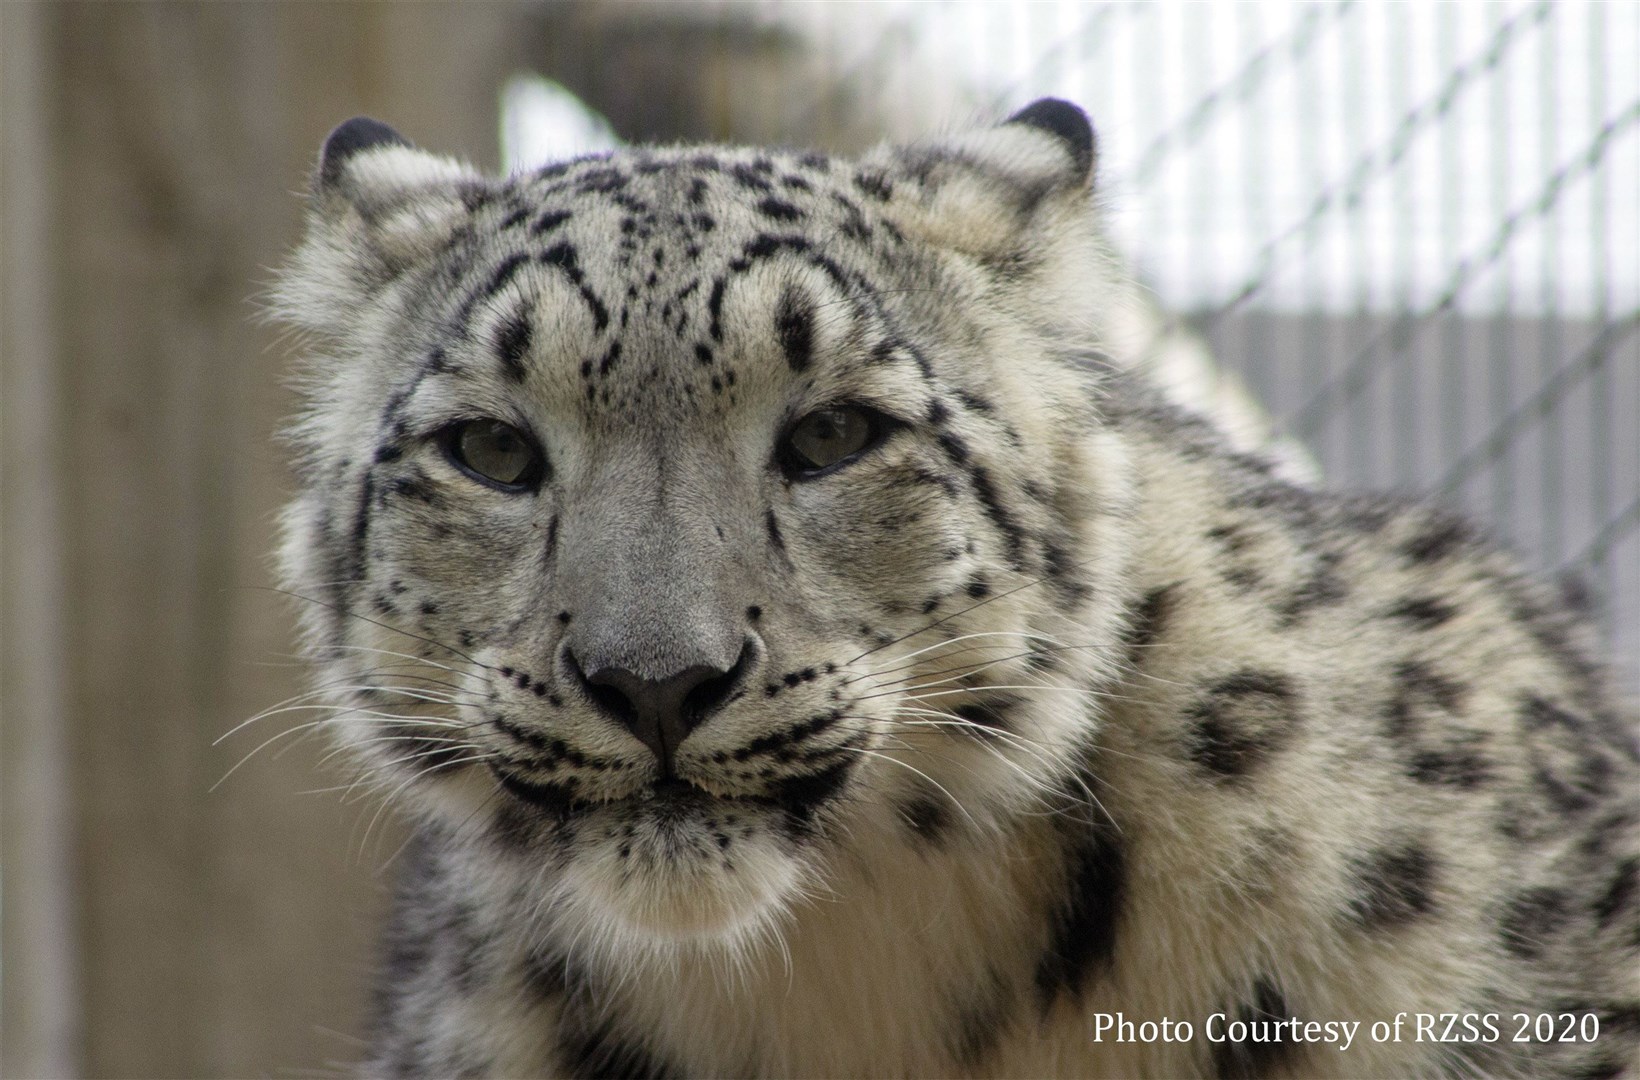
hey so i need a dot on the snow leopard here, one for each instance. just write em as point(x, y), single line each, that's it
point(798, 649)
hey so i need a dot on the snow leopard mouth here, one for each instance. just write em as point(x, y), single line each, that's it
point(669, 795)
point(797, 798)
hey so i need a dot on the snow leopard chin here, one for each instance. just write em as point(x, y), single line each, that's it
point(671, 881)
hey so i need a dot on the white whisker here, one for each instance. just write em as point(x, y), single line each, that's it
point(907, 661)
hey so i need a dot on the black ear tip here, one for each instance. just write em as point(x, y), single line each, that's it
point(350, 137)
point(1066, 122)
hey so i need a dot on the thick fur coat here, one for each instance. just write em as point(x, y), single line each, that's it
point(801, 653)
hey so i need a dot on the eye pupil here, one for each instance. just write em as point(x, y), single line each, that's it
point(494, 451)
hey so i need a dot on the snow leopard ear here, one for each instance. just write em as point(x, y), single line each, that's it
point(1067, 123)
point(349, 138)
point(367, 165)
point(992, 191)
point(1015, 202)
point(378, 206)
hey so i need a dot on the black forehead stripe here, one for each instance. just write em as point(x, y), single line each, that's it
point(768, 245)
point(763, 246)
point(512, 343)
point(794, 325)
point(563, 256)
point(840, 277)
point(497, 281)
point(714, 309)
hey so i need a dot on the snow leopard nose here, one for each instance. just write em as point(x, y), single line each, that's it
point(662, 712)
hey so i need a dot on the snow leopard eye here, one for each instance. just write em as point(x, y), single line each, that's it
point(493, 453)
point(829, 438)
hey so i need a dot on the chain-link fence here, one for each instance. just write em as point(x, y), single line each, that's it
point(1410, 234)
point(1414, 232)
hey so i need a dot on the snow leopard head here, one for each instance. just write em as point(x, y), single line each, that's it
point(677, 525)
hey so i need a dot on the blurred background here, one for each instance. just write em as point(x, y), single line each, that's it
point(1401, 243)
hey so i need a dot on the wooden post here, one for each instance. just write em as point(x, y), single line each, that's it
point(154, 154)
point(38, 1010)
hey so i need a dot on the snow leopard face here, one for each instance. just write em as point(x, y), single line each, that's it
point(676, 521)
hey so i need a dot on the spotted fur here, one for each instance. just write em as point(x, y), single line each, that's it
point(1044, 706)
